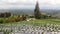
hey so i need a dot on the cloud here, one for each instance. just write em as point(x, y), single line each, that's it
point(27, 3)
point(52, 2)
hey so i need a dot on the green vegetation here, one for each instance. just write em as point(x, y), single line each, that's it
point(1, 20)
point(42, 22)
point(37, 22)
point(11, 19)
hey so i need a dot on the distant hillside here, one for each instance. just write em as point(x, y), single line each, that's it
point(31, 11)
point(57, 15)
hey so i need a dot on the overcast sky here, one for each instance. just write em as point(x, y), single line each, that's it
point(5, 4)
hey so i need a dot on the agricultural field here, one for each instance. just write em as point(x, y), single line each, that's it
point(37, 22)
point(32, 26)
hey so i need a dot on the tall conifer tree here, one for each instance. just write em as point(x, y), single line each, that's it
point(37, 11)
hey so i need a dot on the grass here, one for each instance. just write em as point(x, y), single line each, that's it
point(37, 22)
point(41, 22)
point(32, 22)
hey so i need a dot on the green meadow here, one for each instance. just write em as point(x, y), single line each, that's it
point(36, 22)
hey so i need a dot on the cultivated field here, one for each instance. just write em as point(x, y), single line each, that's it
point(37, 22)
point(41, 26)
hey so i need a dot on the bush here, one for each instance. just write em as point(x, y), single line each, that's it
point(7, 20)
point(44, 16)
point(1, 20)
point(18, 19)
point(23, 17)
point(31, 16)
point(13, 19)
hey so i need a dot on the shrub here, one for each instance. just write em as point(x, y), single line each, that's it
point(23, 17)
point(1, 20)
point(12, 20)
point(19, 18)
point(7, 20)
point(31, 16)
point(45, 16)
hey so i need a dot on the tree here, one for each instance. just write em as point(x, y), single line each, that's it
point(37, 11)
